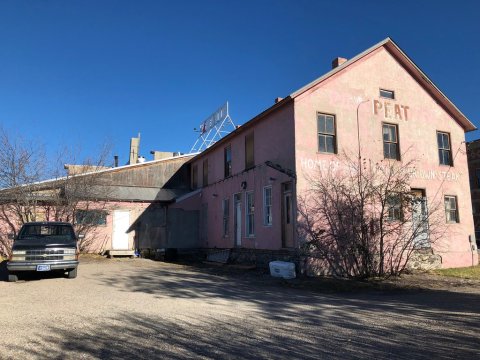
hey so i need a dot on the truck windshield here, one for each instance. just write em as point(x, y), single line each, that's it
point(59, 232)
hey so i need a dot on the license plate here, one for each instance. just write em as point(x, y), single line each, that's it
point(43, 267)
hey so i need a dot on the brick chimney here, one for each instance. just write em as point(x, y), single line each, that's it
point(337, 62)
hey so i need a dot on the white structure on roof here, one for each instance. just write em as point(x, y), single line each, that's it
point(213, 129)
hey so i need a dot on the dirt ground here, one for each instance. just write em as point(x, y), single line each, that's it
point(137, 308)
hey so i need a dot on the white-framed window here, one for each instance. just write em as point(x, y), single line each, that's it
point(327, 142)
point(451, 209)
point(226, 216)
point(249, 214)
point(444, 148)
point(267, 206)
point(390, 142)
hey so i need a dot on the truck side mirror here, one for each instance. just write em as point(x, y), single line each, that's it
point(81, 236)
point(11, 236)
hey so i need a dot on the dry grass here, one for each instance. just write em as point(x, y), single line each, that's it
point(472, 272)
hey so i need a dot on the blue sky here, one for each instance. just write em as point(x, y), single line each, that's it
point(81, 73)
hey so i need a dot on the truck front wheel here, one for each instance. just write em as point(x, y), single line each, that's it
point(72, 274)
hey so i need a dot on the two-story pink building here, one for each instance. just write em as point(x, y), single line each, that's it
point(246, 186)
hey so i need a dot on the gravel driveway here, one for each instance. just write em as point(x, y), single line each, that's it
point(127, 309)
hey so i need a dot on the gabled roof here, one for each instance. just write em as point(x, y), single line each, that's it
point(52, 182)
point(414, 71)
point(399, 55)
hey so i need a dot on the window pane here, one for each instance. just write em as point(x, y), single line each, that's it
point(440, 140)
point(446, 141)
point(386, 151)
point(321, 143)
point(330, 128)
point(444, 157)
point(453, 206)
point(330, 145)
point(447, 203)
point(387, 94)
point(389, 133)
point(393, 133)
point(321, 123)
point(386, 134)
point(390, 151)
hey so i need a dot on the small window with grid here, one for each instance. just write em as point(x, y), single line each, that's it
point(394, 207)
point(387, 94)
point(327, 142)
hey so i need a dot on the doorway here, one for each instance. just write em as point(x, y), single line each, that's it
point(420, 219)
point(287, 215)
point(121, 223)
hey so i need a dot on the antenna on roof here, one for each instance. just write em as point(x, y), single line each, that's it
point(213, 129)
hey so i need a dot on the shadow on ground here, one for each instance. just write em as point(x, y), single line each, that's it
point(299, 323)
point(312, 334)
point(266, 320)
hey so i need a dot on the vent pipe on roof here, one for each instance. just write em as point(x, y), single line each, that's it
point(115, 161)
point(278, 99)
point(337, 62)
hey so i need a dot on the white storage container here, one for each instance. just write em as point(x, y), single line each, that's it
point(282, 269)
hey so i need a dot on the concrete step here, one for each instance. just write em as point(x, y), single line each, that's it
point(112, 253)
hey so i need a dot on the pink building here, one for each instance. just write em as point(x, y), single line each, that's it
point(247, 185)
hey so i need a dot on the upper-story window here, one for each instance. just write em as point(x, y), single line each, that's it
point(390, 142)
point(194, 176)
point(444, 148)
point(205, 172)
point(327, 142)
point(387, 94)
point(249, 151)
point(228, 161)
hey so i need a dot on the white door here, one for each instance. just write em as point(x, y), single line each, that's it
point(121, 223)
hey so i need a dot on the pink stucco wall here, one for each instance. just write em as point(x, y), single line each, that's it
point(273, 141)
point(340, 95)
point(99, 238)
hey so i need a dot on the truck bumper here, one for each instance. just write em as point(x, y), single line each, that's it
point(32, 265)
